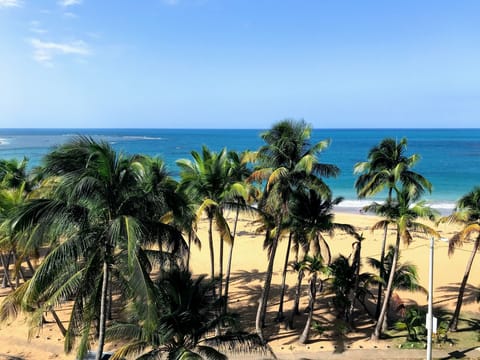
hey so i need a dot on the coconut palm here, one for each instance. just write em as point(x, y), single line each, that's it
point(403, 214)
point(348, 285)
point(186, 313)
point(467, 212)
point(312, 217)
point(405, 275)
point(388, 167)
point(241, 194)
point(10, 200)
point(206, 180)
point(285, 161)
point(101, 216)
point(14, 173)
point(314, 266)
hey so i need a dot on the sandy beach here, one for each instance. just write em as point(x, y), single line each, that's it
point(249, 265)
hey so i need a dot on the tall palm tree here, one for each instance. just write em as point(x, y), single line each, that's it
point(467, 212)
point(101, 216)
point(312, 216)
point(206, 180)
point(241, 195)
point(389, 168)
point(287, 160)
point(403, 214)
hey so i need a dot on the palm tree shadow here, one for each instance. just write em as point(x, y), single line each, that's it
point(8, 357)
point(458, 354)
point(450, 293)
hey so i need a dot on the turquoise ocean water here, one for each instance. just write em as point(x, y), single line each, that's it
point(450, 158)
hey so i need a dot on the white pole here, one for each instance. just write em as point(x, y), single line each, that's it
point(430, 304)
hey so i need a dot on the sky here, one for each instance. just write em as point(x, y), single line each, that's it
point(239, 63)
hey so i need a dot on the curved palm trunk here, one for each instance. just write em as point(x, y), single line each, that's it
point(313, 293)
point(388, 293)
point(280, 316)
point(262, 303)
point(103, 311)
point(382, 260)
point(230, 257)
point(454, 321)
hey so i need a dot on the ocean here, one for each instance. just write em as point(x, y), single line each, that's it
point(450, 158)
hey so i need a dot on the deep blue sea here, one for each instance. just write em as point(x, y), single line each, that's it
point(450, 158)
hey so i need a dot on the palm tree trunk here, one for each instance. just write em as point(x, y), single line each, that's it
point(230, 257)
point(30, 266)
point(298, 288)
point(280, 316)
point(58, 322)
point(17, 280)
point(313, 292)
point(454, 321)
point(388, 293)
point(262, 303)
point(103, 311)
point(6, 277)
point(220, 268)
point(296, 302)
point(212, 255)
point(189, 248)
point(382, 259)
point(357, 280)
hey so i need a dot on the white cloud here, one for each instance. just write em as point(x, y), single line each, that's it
point(69, 2)
point(10, 3)
point(44, 52)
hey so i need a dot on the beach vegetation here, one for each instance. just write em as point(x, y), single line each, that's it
point(103, 219)
point(388, 168)
point(185, 312)
point(285, 163)
point(467, 213)
point(403, 214)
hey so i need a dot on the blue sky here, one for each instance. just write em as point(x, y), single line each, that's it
point(239, 63)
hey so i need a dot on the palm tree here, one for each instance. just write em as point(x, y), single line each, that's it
point(403, 214)
point(241, 194)
point(405, 275)
point(13, 174)
point(10, 200)
point(283, 163)
point(206, 180)
point(101, 216)
point(467, 212)
point(314, 266)
point(389, 168)
point(348, 285)
point(186, 311)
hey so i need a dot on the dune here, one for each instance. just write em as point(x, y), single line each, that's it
point(248, 269)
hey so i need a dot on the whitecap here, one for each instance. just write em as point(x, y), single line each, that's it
point(133, 137)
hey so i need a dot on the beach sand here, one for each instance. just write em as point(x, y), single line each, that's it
point(249, 265)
